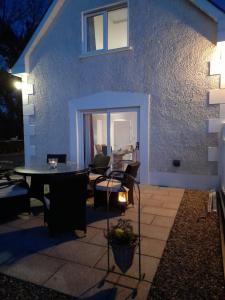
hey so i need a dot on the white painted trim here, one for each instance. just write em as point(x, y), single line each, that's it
point(26, 138)
point(102, 10)
point(214, 125)
point(222, 111)
point(110, 100)
point(215, 67)
point(212, 153)
point(105, 7)
point(103, 52)
point(184, 180)
point(28, 110)
point(217, 96)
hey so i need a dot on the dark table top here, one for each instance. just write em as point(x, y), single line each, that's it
point(45, 169)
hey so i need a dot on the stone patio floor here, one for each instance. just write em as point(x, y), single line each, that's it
point(76, 265)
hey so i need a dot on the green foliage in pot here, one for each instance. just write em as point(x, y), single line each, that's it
point(122, 233)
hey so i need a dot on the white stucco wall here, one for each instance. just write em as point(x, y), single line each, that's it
point(172, 43)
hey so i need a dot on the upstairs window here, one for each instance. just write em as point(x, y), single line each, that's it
point(106, 29)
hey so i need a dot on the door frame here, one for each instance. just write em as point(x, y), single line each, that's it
point(111, 100)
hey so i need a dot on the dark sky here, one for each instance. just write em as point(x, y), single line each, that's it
point(219, 3)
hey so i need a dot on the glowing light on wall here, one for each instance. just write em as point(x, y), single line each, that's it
point(217, 65)
point(27, 88)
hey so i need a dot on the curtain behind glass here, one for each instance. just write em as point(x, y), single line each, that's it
point(95, 33)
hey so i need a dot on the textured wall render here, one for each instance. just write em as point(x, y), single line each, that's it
point(172, 42)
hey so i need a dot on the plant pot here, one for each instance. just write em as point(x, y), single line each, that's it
point(123, 255)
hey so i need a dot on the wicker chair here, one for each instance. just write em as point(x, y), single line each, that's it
point(14, 197)
point(100, 164)
point(126, 178)
point(65, 205)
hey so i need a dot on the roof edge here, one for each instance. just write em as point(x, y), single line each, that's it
point(21, 66)
point(208, 8)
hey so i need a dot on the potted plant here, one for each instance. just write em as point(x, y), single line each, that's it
point(123, 241)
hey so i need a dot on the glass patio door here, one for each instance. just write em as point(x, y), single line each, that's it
point(112, 132)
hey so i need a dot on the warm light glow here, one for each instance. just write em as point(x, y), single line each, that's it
point(18, 85)
point(27, 88)
point(122, 197)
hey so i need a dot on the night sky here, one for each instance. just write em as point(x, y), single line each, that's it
point(219, 3)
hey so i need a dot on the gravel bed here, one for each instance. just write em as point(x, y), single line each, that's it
point(191, 266)
point(16, 289)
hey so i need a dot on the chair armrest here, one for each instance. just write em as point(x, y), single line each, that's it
point(117, 174)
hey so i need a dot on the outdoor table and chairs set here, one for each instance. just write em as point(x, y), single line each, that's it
point(69, 186)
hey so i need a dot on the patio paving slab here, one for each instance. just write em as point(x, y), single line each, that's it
point(160, 211)
point(153, 201)
point(76, 251)
point(152, 247)
point(156, 232)
point(32, 222)
point(7, 229)
point(91, 233)
point(149, 266)
point(143, 287)
point(145, 218)
point(99, 239)
point(75, 279)
point(163, 221)
point(17, 222)
point(35, 268)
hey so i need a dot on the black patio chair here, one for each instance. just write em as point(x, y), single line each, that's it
point(14, 197)
point(127, 179)
point(65, 205)
point(100, 164)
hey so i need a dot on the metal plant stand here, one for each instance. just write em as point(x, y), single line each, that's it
point(119, 188)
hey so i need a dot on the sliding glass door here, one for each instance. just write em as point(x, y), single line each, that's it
point(112, 132)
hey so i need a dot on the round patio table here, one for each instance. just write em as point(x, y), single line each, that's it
point(45, 169)
point(40, 175)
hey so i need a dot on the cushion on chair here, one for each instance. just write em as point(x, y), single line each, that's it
point(93, 176)
point(111, 184)
point(8, 190)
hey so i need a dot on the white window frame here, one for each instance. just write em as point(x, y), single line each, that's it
point(104, 12)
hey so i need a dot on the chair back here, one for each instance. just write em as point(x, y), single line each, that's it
point(101, 161)
point(68, 194)
point(132, 168)
point(61, 185)
point(61, 157)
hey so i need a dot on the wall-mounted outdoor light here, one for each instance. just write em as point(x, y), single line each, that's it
point(27, 88)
